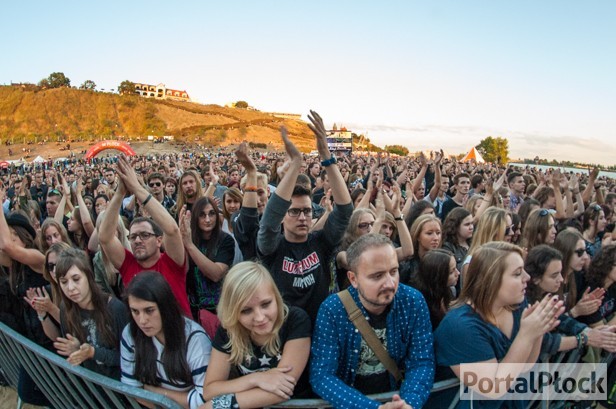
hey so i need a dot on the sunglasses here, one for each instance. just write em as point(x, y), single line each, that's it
point(365, 225)
point(51, 266)
point(580, 252)
point(511, 230)
point(543, 212)
point(155, 184)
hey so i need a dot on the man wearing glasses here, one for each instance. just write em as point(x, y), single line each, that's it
point(297, 259)
point(146, 236)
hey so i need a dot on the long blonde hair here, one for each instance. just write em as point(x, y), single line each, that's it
point(491, 227)
point(241, 282)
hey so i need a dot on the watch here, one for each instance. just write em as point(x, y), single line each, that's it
point(399, 218)
point(329, 161)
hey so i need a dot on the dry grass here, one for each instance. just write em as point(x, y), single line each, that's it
point(71, 114)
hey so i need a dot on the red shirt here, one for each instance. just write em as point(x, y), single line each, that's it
point(173, 273)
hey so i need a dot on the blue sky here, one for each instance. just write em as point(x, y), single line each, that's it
point(424, 74)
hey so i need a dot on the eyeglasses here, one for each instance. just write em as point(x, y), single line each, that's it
point(543, 212)
point(51, 266)
point(155, 184)
point(144, 235)
point(365, 225)
point(211, 214)
point(580, 252)
point(294, 212)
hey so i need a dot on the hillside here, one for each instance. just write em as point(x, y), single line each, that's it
point(29, 116)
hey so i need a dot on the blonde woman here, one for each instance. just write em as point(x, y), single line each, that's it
point(267, 342)
point(494, 225)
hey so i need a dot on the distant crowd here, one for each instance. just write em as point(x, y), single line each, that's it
point(242, 279)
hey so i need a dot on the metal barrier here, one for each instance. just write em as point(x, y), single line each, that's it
point(440, 386)
point(65, 385)
point(68, 386)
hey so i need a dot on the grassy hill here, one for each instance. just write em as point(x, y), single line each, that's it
point(65, 113)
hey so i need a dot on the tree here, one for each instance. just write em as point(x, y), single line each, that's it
point(88, 84)
point(126, 87)
point(55, 80)
point(397, 149)
point(494, 150)
point(241, 104)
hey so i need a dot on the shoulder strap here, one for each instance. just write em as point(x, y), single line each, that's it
point(358, 319)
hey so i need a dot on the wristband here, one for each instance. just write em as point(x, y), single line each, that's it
point(250, 188)
point(329, 161)
point(43, 317)
point(226, 401)
point(147, 199)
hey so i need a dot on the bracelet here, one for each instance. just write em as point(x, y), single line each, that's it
point(147, 199)
point(250, 188)
point(329, 161)
point(43, 317)
point(226, 401)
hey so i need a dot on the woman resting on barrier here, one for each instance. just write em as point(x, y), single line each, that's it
point(90, 321)
point(162, 350)
point(261, 339)
point(491, 325)
point(544, 265)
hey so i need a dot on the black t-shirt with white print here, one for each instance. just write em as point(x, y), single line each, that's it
point(372, 376)
point(296, 326)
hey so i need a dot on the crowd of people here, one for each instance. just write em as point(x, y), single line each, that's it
point(243, 279)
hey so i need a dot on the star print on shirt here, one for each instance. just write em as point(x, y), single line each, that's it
point(265, 361)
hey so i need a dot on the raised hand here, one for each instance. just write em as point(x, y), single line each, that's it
point(438, 157)
point(244, 158)
point(292, 151)
point(214, 178)
point(326, 201)
point(380, 204)
point(79, 186)
point(281, 170)
point(39, 299)
point(574, 184)
point(589, 303)
point(127, 174)
point(422, 159)
point(318, 128)
point(499, 182)
point(184, 224)
point(542, 317)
